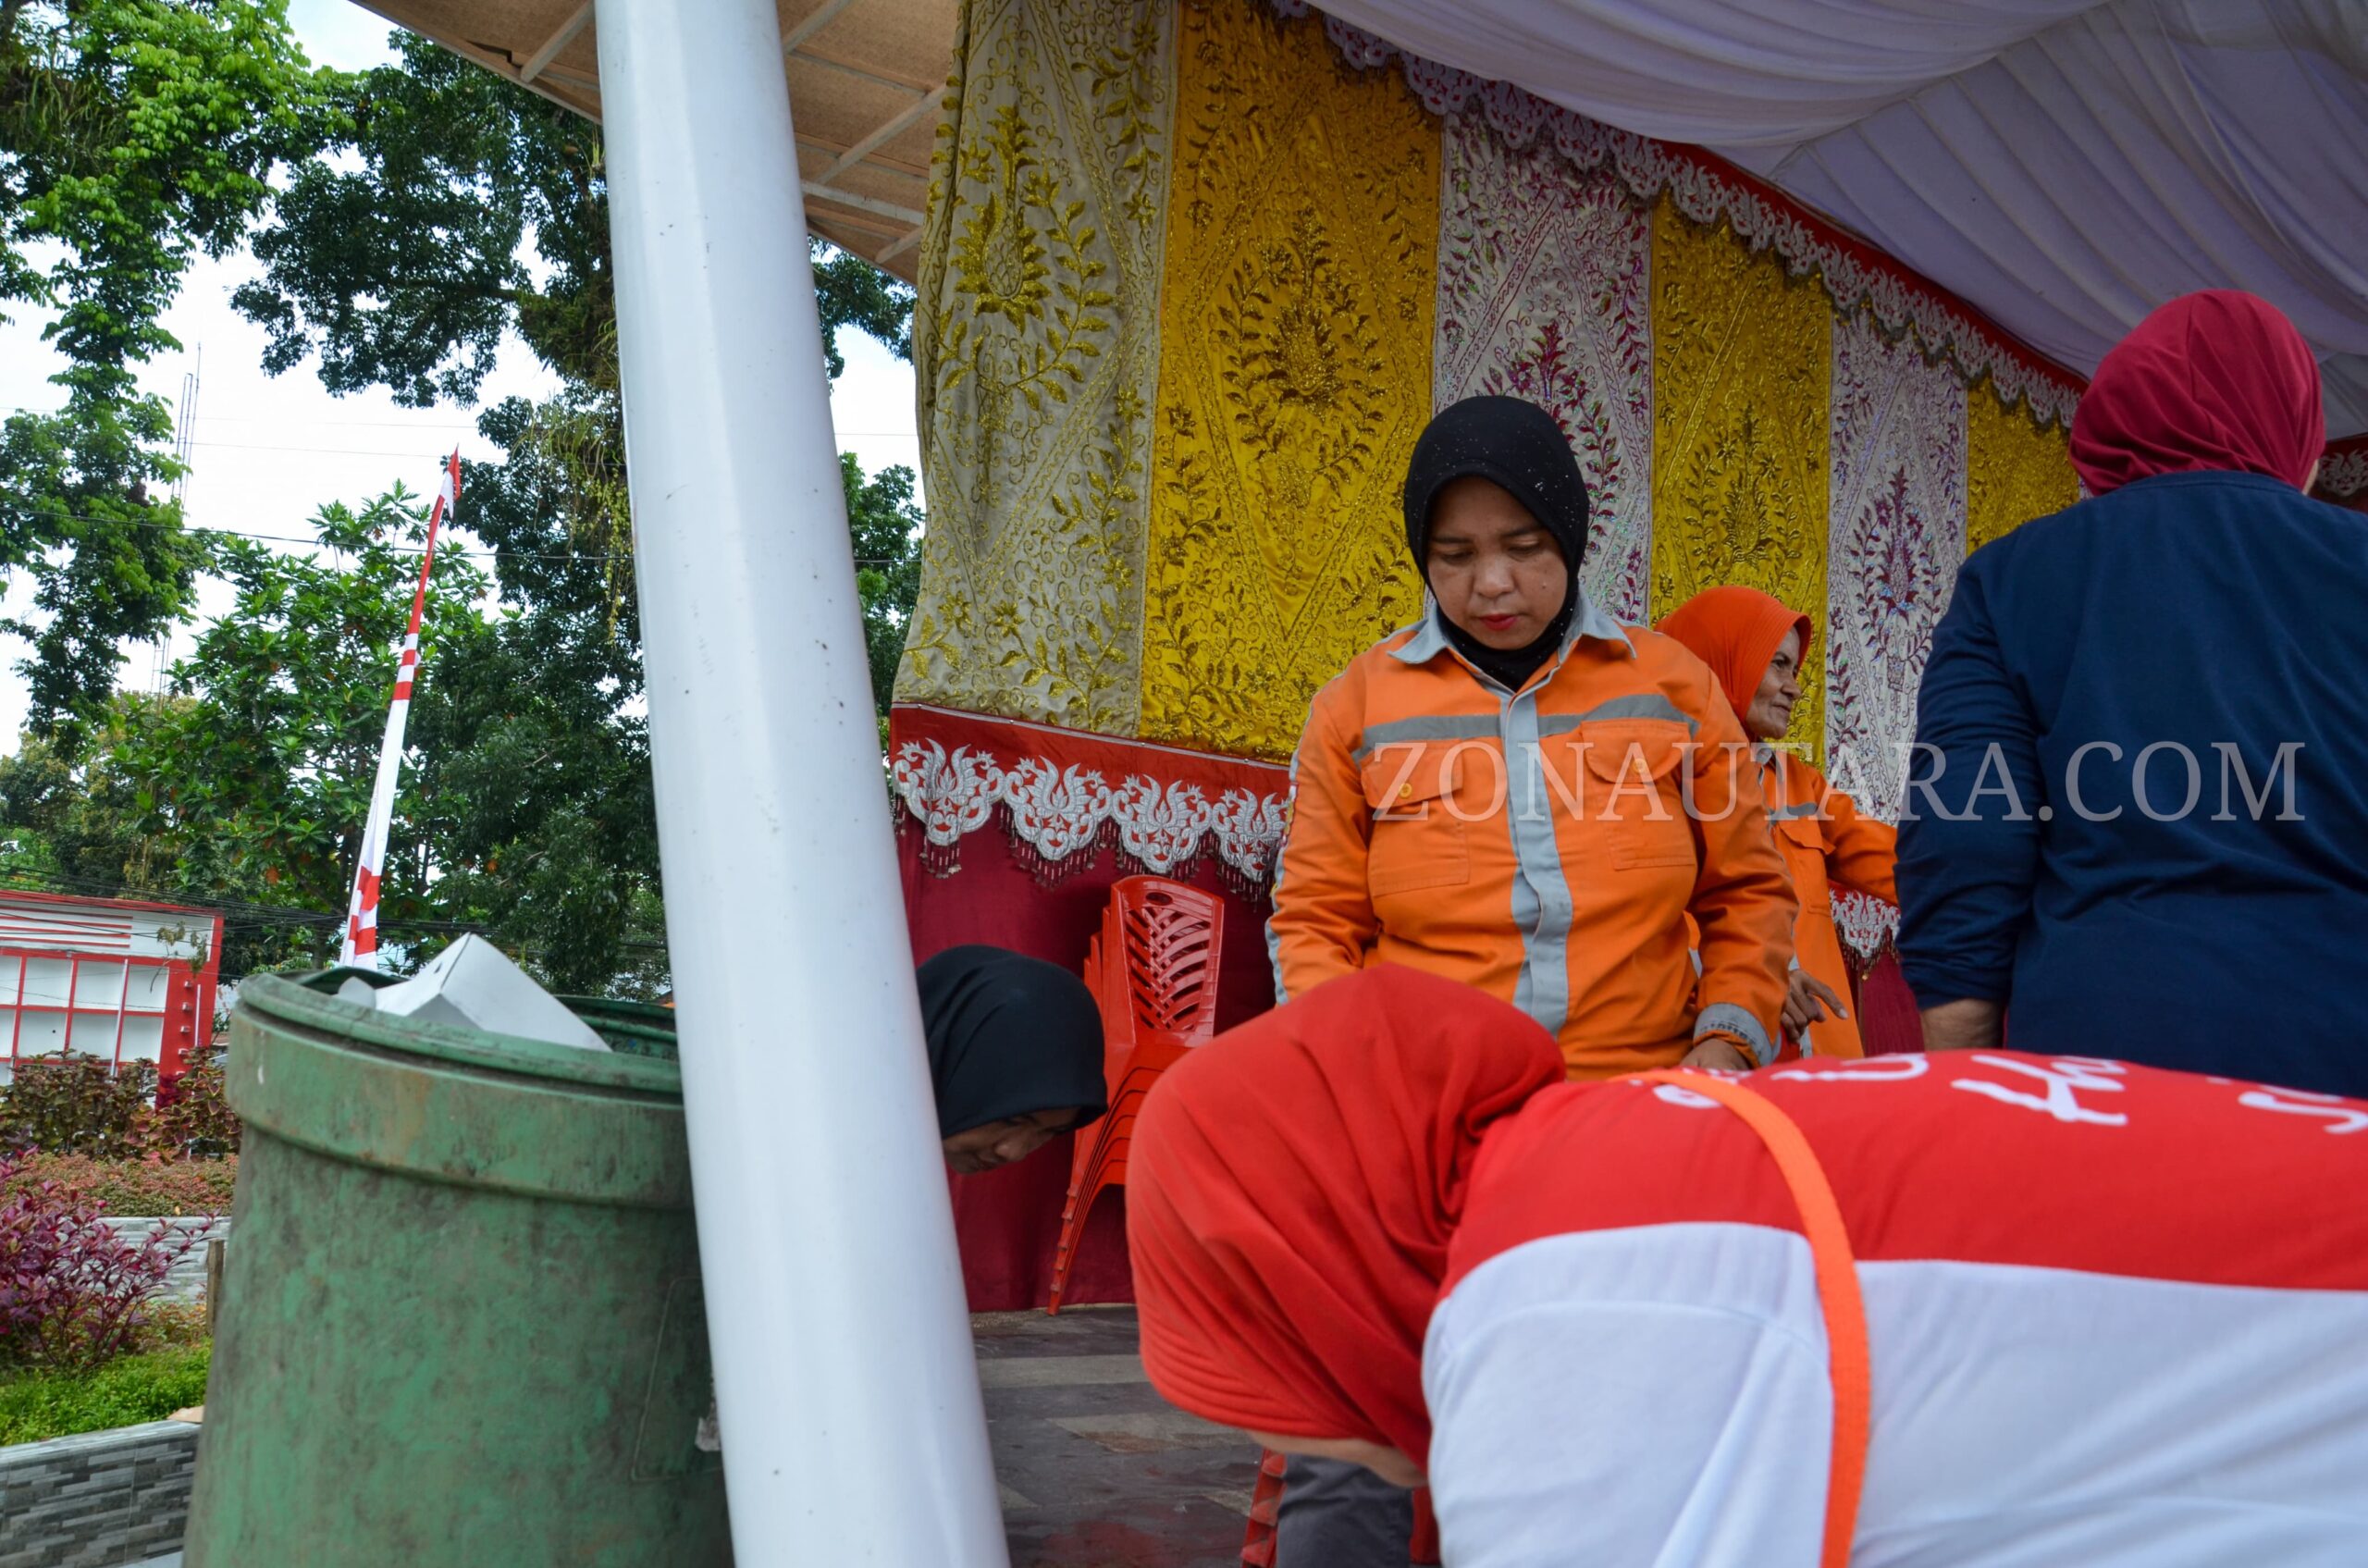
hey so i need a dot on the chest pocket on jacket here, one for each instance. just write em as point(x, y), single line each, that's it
point(1635, 791)
point(1802, 839)
point(1418, 839)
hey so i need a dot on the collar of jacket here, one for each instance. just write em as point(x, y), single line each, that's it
point(1429, 640)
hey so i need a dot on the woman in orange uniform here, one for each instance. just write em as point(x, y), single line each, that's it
point(1520, 793)
point(1754, 644)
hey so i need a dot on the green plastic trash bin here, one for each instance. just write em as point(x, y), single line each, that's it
point(461, 1322)
point(638, 1029)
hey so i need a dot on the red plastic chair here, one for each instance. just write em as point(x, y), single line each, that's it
point(1258, 1541)
point(1153, 970)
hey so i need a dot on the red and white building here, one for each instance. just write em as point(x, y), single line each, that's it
point(110, 978)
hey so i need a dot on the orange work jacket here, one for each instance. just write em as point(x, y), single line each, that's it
point(1825, 841)
point(1544, 846)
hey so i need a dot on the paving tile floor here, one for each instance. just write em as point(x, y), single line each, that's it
point(1097, 1470)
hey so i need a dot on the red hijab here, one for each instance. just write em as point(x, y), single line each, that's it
point(2218, 380)
point(1290, 1192)
point(1735, 631)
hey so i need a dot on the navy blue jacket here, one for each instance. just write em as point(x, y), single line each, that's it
point(2217, 617)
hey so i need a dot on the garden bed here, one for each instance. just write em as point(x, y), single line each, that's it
point(133, 1186)
point(37, 1405)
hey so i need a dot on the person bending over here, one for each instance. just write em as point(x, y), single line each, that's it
point(1015, 1054)
point(2112, 1313)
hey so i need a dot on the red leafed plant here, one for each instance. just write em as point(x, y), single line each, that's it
point(72, 1292)
point(192, 1119)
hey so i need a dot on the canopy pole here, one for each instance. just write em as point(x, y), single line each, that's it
point(852, 1424)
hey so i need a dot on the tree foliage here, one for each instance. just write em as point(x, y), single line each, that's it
point(885, 527)
point(525, 810)
point(434, 209)
point(457, 206)
point(524, 813)
point(400, 256)
point(134, 135)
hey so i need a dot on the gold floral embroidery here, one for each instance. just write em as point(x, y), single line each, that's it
point(2014, 470)
point(1740, 372)
point(1035, 350)
point(1295, 341)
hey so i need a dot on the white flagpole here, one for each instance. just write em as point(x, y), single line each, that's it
point(853, 1427)
point(360, 946)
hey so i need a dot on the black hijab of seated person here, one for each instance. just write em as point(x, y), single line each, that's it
point(1008, 1035)
point(1517, 445)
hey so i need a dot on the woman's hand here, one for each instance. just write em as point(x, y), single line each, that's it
point(1808, 1001)
point(1718, 1056)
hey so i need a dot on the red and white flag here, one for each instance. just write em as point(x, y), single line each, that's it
point(360, 946)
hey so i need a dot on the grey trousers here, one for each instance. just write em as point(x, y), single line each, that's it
point(1339, 1515)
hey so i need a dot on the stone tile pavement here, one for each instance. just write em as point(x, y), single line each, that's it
point(1097, 1470)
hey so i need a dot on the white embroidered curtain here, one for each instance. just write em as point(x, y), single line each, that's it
point(2064, 165)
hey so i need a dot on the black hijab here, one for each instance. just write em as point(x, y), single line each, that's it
point(1517, 445)
point(1007, 1035)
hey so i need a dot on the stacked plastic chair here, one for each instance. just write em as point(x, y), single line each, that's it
point(1153, 970)
point(1258, 1541)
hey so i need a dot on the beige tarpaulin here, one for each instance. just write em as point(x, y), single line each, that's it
point(865, 80)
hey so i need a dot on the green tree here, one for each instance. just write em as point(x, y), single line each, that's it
point(457, 206)
point(887, 528)
point(134, 135)
point(400, 256)
point(525, 811)
point(444, 207)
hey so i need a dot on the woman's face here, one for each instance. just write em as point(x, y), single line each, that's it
point(1771, 707)
point(1495, 569)
point(1008, 1141)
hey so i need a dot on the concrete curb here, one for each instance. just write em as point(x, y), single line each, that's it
point(187, 1281)
point(99, 1500)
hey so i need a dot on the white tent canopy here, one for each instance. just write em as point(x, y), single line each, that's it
point(2064, 165)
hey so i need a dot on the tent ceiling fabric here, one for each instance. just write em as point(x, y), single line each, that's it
point(864, 79)
point(2062, 164)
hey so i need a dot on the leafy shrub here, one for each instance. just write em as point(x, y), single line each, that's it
point(149, 1185)
point(72, 1292)
point(192, 1115)
point(77, 1105)
point(35, 1406)
point(174, 1324)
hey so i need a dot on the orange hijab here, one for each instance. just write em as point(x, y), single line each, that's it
point(1290, 1192)
point(1736, 631)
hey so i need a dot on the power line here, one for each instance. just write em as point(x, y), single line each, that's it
point(375, 451)
point(331, 424)
point(389, 424)
point(324, 544)
point(391, 549)
point(240, 916)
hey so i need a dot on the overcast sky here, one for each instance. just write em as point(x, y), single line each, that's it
point(269, 451)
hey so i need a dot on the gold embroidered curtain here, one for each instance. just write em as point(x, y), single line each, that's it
point(1193, 281)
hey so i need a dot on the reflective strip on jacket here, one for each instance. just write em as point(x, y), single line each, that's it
point(1826, 842)
point(1560, 882)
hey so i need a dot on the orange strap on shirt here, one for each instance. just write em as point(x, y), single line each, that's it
point(1837, 1292)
